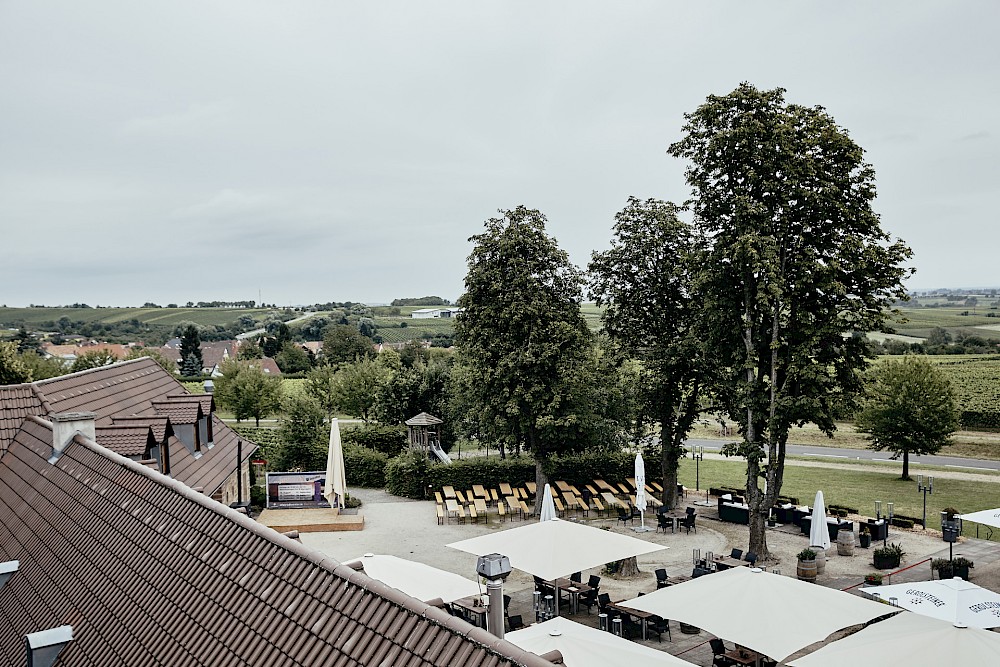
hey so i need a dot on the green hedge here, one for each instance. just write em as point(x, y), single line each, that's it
point(364, 467)
point(269, 439)
point(390, 440)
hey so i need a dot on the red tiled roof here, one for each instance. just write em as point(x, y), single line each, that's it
point(138, 388)
point(127, 440)
point(148, 572)
point(17, 401)
point(159, 425)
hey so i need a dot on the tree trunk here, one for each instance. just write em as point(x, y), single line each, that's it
point(540, 477)
point(906, 466)
point(628, 568)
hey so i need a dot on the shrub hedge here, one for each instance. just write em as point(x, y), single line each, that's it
point(364, 467)
point(390, 440)
point(269, 439)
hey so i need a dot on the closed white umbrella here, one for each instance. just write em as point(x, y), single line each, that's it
point(640, 492)
point(548, 507)
point(819, 534)
point(954, 600)
point(908, 639)
point(336, 481)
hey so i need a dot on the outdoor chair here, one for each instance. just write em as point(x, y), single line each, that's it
point(661, 578)
point(603, 600)
point(751, 557)
point(589, 598)
point(624, 515)
point(662, 522)
point(699, 571)
point(737, 554)
point(688, 522)
point(577, 577)
point(689, 510)
point(657, 626)
point(515, 622)
point(506, 604)
point(631, 627)
point(719, 658)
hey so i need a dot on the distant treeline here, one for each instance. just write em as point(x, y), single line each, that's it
point(422, 301)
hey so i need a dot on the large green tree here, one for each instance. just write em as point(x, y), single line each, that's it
point(909, 408)
point(796, 262)
point(247, 390)
point(522, 335)
point(191, 361)
point(12, 369)
point(645, 283)
point(302, 433)
point(358, 384)
point(343, 343)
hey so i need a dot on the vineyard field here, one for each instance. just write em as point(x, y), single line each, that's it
point(976, 380)
point(40, 317)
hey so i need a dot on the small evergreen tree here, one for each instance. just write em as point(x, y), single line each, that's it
point(191, 346)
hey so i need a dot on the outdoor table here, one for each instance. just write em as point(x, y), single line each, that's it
point(604, 486)
point(480, 491)
point(612, 500)
point(563, 486)
point(743, 656)
point(473, 609)
point(643, 616)
point(573, 588)
point(449, 491)
point(480, 506)
point(531, 487)
point(726, 562)
point(514, 505)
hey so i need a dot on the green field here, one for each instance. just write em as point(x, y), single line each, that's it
point(920, 321)
point(41, 317)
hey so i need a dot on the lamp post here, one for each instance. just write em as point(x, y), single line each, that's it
point(697, 453)
point(925, 489)
point(888, 519)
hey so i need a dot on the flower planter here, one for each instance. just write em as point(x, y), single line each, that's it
point(864, 540)
point(806, 571)
point(885, 562)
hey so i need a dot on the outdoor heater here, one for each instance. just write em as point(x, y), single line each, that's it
point(494, 568)
point(925, 489)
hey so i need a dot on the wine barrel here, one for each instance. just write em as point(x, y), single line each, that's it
point(806, 570)
point(820, 559)
point(845, 543)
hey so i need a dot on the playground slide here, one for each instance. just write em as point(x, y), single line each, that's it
point(440, 453)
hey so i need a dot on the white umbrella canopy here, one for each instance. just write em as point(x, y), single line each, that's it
point(556, 548)
point(640, 485)
point(819, 534)
point(908, 639)
point(418, 580)
point(766, 612)
point(336, 480)
point(584, 646)
point(953, 600)
point(548, 507)
point(985, 517)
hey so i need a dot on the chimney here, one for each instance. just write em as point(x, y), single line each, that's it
point(7, 571)
point(44, 647)
point(65, 425)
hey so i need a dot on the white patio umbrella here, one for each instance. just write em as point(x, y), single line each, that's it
point(986, 517)
point(640, 491)
point(908, 639)
point(584, 646)
point(548, 507)
point(819, 534)
point(418, 580)
point(769, 613)
point(336, 481)
point(555, 548)
point(953, 600)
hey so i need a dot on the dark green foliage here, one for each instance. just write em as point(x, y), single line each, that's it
point(191, 366)
point(909, 408)
point(364, 467)
point(389, 440)
point(345, 344)
point(267, 439)
point(250, 349)
point(93, 359)
point(258, 497)
point(421, 301)
point(41, 368)
point(12, 369)
point(26, 341)
point(293, 359)
point(247, 390)
point(191, 346)
point(153, 353)
point(302, 434)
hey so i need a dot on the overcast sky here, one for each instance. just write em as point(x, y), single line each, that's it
point(332, 151)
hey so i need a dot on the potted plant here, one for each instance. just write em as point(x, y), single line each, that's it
point(873, 579)
point(864, 537)
point(806, 570)
point(886, 558)
point(946, 569)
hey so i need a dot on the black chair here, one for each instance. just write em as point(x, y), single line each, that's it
point(737, 554)
point(631, 627)
point(515, 622)
point(662, 579)
point(589, 598)
point(657, 626)
point(594, 581)
point(624, 515)
point(663, 522)
point(751, 557)
point(699, 571)
point(577, 577)
point(603, 600)
point(689, 510)
point(688, 522)
point(506, 604)
point(719, 658)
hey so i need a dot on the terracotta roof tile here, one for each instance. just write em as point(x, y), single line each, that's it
point(127, 440)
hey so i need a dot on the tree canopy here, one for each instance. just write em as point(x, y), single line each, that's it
point(521, 333)
point(796, 261)
point(645, 283)
point(343, 343)
point(12, 369)
point(247, 390)
point(909, 408)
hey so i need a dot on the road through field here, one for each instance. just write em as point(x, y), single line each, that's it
point(836, 453)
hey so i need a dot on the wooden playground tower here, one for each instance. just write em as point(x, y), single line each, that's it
point(424, 433)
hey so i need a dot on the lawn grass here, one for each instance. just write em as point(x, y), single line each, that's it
point(858, 488)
